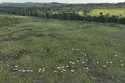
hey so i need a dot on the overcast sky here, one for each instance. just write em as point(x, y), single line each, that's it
point(66, 1)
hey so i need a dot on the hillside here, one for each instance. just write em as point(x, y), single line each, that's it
point(54, 4)
point(105, 12)
point(35, 50)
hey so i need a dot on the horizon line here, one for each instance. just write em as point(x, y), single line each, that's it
point(69, 2)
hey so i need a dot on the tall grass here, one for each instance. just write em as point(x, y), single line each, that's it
point(61, 51)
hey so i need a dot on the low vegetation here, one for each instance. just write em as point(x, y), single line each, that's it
point(6, 20)
point(60, 51)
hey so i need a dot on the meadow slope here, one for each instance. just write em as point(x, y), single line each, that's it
point(120, 12)
point(35, 50)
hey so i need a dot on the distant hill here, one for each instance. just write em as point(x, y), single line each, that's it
point(30, 4)
point(54, 4)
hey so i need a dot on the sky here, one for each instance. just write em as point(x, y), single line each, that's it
point(65, 1)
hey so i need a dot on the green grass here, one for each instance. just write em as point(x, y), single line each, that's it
point(6, 20)
point(56, 51)
point(108, 11)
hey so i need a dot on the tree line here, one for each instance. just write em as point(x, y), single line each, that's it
point(62, 14)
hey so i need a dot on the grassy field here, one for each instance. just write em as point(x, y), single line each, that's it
point(35, 50)
point(108, 11)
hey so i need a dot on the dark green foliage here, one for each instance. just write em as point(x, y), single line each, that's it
point(122, 20)
point(65, 15)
